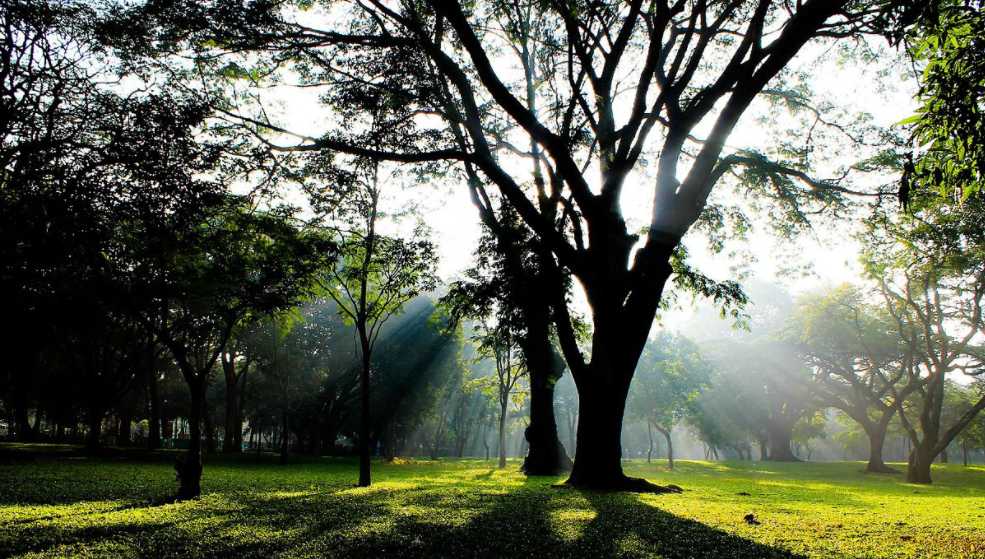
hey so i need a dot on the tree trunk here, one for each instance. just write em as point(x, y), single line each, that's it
point(918, 468)
point(502, 435)
point(598, 454)
point(189, 467)
point(364, 471)
point(649, 435)
point(780, 434)
point(877, 439)
point(763, 452)
point(670, 447)
point(964, 455)
point(233, 427)
point(943, 456)
point(545, 455)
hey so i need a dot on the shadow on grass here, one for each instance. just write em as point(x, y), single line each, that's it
point(532, 520)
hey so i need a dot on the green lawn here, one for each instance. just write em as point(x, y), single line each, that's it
point(64, 504)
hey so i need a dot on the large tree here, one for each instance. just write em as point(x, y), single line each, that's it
point(857, 362)
point(620, 83)
point(929, 267)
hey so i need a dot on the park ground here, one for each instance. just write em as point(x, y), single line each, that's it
point(58, 502)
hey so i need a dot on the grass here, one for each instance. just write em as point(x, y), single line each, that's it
point(55, 502)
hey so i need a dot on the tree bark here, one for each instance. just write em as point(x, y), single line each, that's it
point(232, 442)
point(364, 464)
point(598, 454)
point(918, 468)
point(877, 439)
point(545, 455)
point(670, 446)
point(502, 435)
point(780, 434)
point(649, 435)
point(189, 468)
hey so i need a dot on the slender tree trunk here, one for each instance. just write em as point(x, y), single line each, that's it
point(670, 446)
point(364, 464)
point(964, 455)
point(502, 435)
point(232, 441)
point(943, 456)
point(649, 434)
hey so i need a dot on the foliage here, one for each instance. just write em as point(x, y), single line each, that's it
point(668, 380)
point(947, 43)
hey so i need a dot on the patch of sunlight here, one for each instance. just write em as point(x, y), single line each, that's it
point(633, 545)
point(278, 495)
point(33, 513)
point(569, 524)
point(380, 487)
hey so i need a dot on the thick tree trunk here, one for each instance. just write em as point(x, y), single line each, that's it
point(918, 468)
point(598, 454)
point(545, 455)
point(189, 467)
point(877, 439)
point(780, 434)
